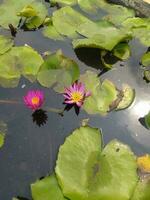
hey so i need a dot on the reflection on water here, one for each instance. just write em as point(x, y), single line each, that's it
point(141, 108)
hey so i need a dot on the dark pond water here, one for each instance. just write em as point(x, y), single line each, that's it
point(30, 151)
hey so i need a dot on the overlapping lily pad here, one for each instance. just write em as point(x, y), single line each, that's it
point(16, 62)
point(58, 72)
point(47, 189)
point(11, 9)
point(102, 94)
point(84, 172)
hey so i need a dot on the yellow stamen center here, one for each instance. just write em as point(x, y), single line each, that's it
point(77, 96)
point(144, 163)
point(35, 100)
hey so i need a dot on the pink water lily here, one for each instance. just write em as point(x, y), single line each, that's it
point(34, 99)
point(76, 94)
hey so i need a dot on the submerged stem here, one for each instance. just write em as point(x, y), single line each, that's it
point(9, 101)
point(55, 110)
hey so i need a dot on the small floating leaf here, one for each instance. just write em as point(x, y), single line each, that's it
point(40, 14)
point(147, 75)
point(58, 71)
point(102, 94)
point(128, 97)
point(122, 51)
point(46, 189)
point(147, 120)
point(146, 59)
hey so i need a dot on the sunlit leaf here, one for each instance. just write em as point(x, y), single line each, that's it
point(146, 59)
point(58, 71)
point(102, 94)
point(5, 44)
point(140, 28)
point(85, 173)
point(46, 189)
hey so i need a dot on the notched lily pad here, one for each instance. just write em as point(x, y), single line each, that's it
point(58, 72)
point(128, 97)
point(102, 94)
point(84, 171)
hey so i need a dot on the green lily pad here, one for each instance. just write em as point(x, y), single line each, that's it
point(58, 72)
point(142, 191)
point(147, 75)
point(102, 94)
point(77, 162)
point(47, 189)
point(147, 120)
point(84, 172)
point(64, 2)
point(66, 21)
point(12, 11)
point(122, 51)
point(51, 32)
point(101, 39)
point(146, 59)
point(19, 60)
point(9, 10)
point(128, 97)
point(35, 21)
point(140, 28)
point(5, 44)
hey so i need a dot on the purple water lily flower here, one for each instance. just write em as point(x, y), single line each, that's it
point(76, 94)
point(34, 99)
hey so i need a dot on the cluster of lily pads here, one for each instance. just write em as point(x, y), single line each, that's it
point(87, 170)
